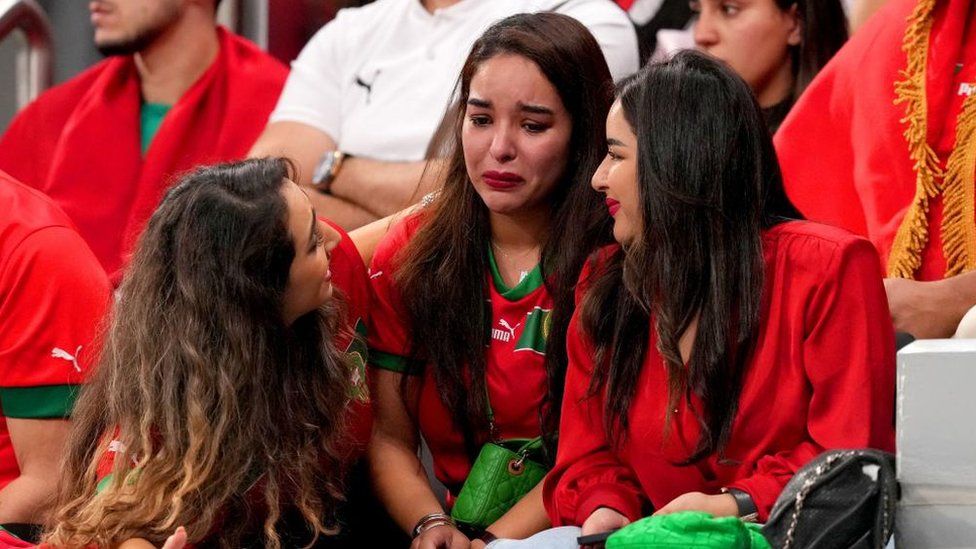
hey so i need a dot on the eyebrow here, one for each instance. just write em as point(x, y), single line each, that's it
point(611, 142)
point(311, 231)
point(535, 109)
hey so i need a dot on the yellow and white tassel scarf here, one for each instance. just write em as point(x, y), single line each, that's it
point(955, 183)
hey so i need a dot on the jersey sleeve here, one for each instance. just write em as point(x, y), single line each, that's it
point(350, 278)
point(587, 474)
point(313, 92)
point(849, 359)
point(53, 294)
point(389, 334)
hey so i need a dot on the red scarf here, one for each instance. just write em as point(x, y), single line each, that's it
point(843, 148)
point(80, 143)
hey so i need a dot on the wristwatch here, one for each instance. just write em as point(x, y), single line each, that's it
point(327, 169)
point(743, 501)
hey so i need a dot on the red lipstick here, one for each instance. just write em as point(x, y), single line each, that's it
point(502, 181)
point(613, 206)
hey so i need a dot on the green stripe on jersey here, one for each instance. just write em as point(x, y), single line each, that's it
point(386, 361)
point(104, 483)
point(526, 286)
point(45, 402)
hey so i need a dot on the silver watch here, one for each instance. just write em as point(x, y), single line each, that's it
point(327, 169)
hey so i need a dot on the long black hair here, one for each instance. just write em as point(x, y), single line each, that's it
point(709, 185)
point(823, 31)
point(442, 272)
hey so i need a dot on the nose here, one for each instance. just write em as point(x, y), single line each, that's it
point(704, 29)
point(599, 180)
point(330, 235)
point(503, 143)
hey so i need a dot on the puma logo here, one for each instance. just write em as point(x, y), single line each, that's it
point(58, 352)
point(506, 333)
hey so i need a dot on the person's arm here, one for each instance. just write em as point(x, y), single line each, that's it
point(398, 475)
point(368, 237)
point(53, 294)
point(848, 356)
point(38, 445)
point(364, 189)
point(304, 146)
point(930, 310)
point(525, 518)
point(589, 486)
point(384, 188)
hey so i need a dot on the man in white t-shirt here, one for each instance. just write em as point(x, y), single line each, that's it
point(371, 88)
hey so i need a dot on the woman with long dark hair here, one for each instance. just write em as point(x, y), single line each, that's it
point(724, 342)
point(472, 295)
point(221, 397)
point(776, 46)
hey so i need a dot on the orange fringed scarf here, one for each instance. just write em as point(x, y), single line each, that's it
point(954, 183)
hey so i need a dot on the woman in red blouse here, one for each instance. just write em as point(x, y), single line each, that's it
point(725, 342)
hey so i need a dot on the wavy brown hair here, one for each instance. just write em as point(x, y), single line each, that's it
point(452, 245)
point(223, 411)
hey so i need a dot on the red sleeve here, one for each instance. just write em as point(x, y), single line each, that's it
point(349, 276)
point(10, 541)
point(815, 149)
point(389, 336)
point(53, 294)
point(587, 474)
point(849, 360)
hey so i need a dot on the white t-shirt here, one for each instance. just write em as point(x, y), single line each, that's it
point(378, 79)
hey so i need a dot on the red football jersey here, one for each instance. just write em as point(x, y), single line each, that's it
point(53, 294)
point(515, 365)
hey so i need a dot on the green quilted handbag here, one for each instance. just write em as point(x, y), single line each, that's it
point(503, 473)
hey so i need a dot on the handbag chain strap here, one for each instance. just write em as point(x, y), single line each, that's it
point(801, 496)
point(808, 484)
point(492, 428)
point(523, 452)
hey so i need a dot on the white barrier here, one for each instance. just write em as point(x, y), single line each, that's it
point(936, 443)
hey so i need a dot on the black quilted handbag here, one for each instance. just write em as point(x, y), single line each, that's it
point(843, 499)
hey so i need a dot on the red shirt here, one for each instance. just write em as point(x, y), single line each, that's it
point(842, 148)
point(53, 294)
point(822, 376)
point(515, 359)
point(80, 142)
point(350, 278)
